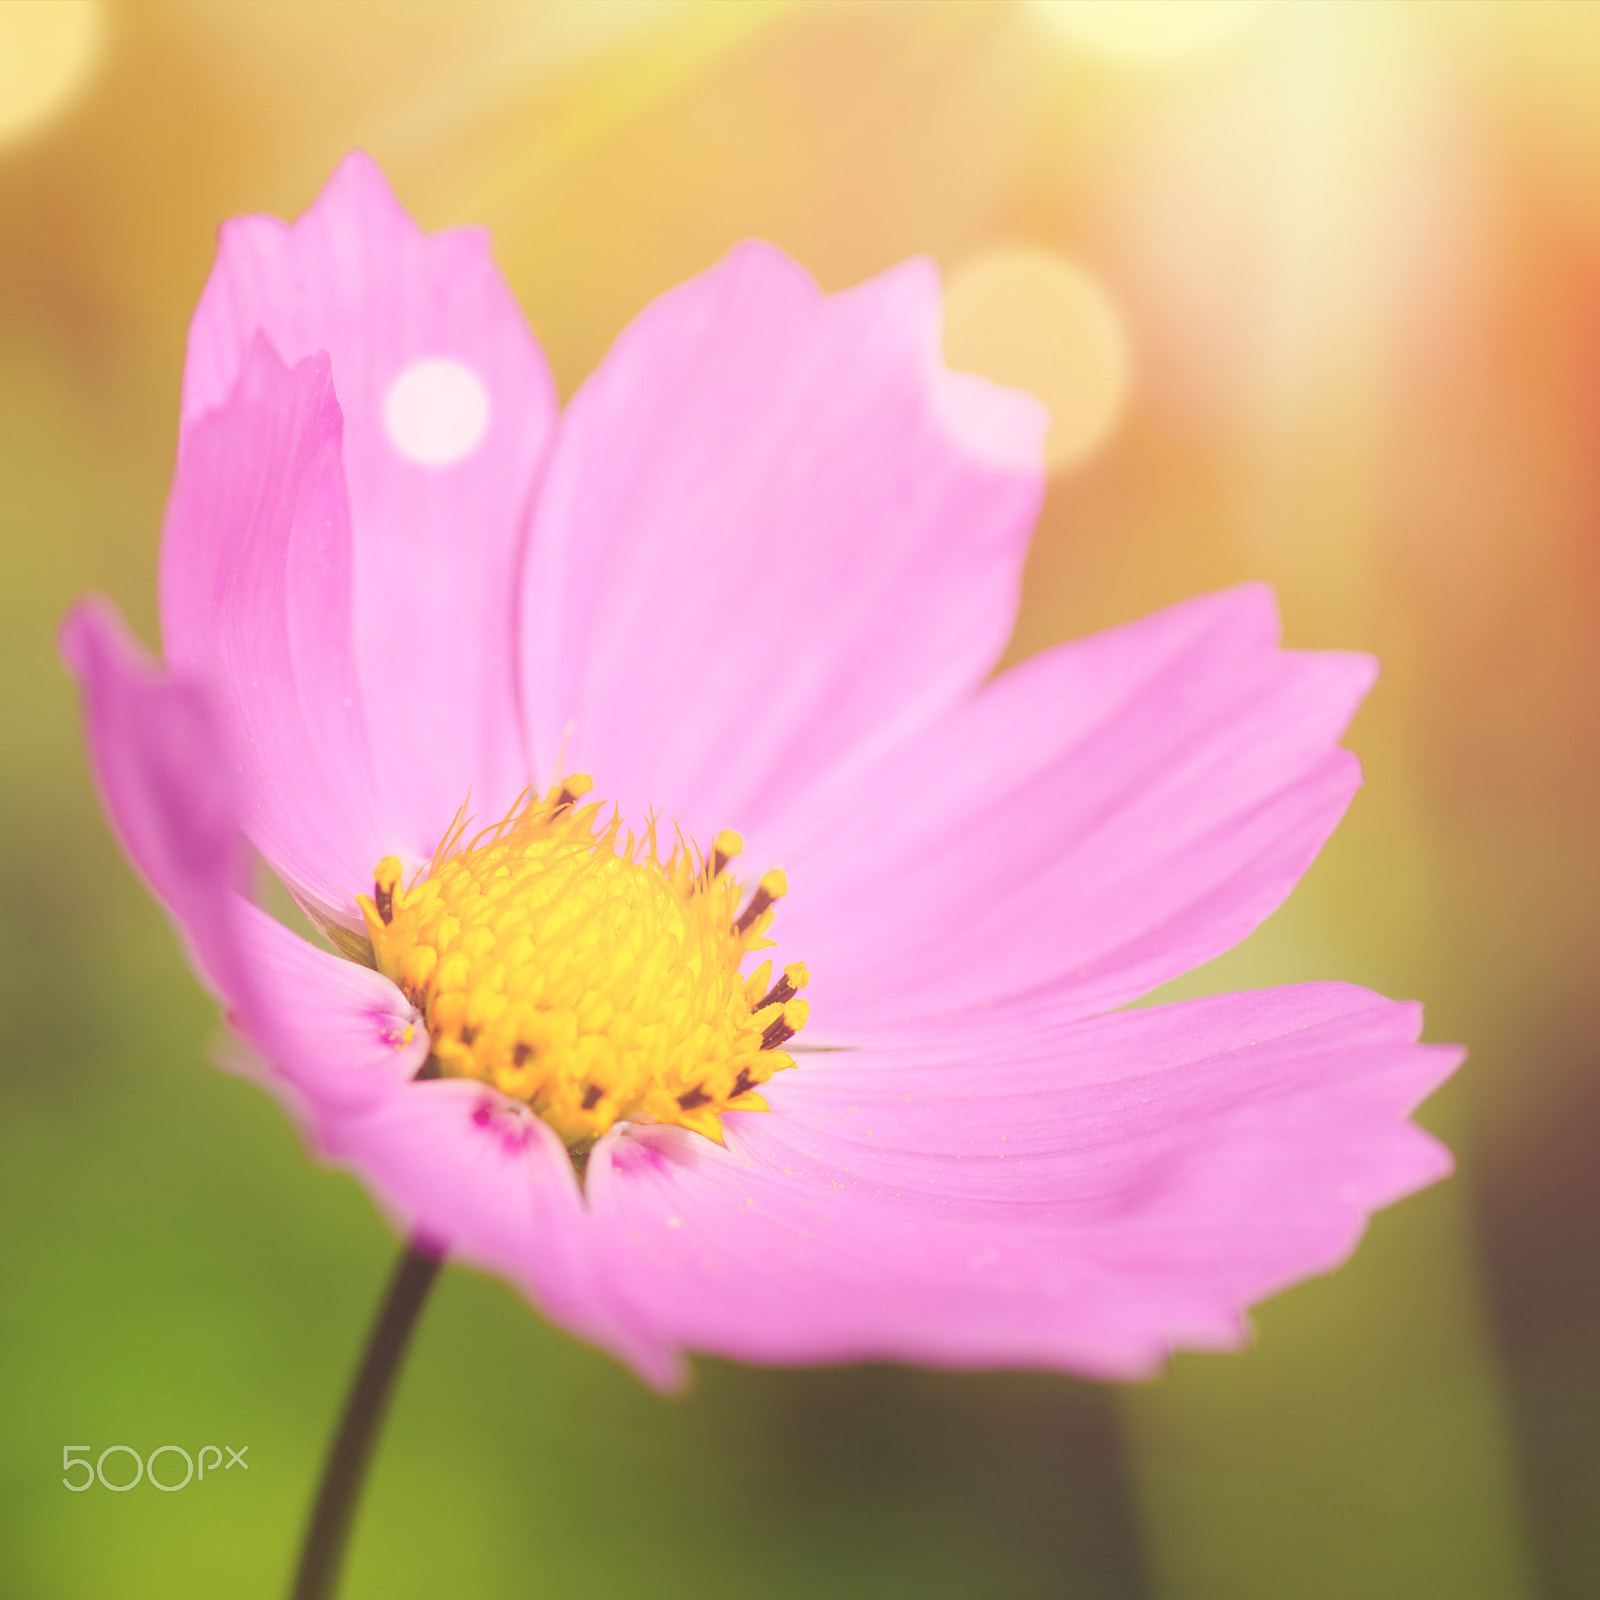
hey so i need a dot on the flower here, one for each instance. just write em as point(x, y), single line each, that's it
point(752, 583)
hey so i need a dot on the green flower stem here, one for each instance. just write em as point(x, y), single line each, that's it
point(346, 1471)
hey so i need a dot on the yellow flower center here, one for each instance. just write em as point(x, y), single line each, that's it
point(559, 958)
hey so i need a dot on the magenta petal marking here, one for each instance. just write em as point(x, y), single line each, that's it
point(1090, 1198)
point(1101, 818)
point(761, 549)
point(419, 328)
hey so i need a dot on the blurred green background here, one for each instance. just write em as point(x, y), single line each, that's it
point(1313, 290)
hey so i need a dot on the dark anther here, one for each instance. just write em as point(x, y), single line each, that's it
point(724, 848)
point(591, 1096)
point(740, 1084)
point(695, 1097)
point(759, 902)
point(563, 801)
point(775, 996)
point(520, 1053)
point(469, 1036)
point(777, 1032)
point(429, 1069)
point(383, 899)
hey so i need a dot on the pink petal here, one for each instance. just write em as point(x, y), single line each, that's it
point(162, 758)
point(775, 533)
point(458, 1164)
point(465, 1169)
point(156, 752)
point(255, 592)
point(1088, 1197)
point(342, 1035)
point(436, 543)
point(450, 1161)
point(1107, 815)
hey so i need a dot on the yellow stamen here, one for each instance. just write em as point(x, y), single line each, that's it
point(565, 962)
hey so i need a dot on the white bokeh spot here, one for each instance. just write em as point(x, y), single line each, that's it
point(436, 412)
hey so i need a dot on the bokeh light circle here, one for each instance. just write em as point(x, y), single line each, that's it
point(1036, 321)
point(1150, 30)
point(436, 412)
point(48, 48)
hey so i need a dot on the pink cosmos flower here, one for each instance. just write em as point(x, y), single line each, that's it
point(753, 583)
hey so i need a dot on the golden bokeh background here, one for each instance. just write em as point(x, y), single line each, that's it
point(1312, 289)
